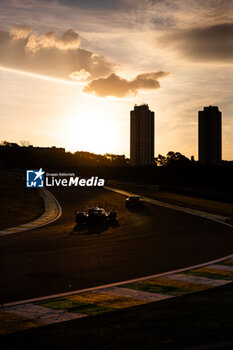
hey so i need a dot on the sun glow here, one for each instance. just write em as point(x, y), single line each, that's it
point(92, 130)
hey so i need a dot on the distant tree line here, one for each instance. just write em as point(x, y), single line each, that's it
point(13, 155)
point(25, 155)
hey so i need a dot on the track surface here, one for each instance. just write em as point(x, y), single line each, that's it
point(152, 240)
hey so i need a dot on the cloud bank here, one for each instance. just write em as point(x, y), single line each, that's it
point(61, 57)
point(70, 40)
point(116, 86)
point(46, 54)
point(213, 43)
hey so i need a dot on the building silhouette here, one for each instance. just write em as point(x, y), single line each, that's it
point(141, 136)
point(210, 136)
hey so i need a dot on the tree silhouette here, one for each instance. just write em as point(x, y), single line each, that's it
point(173, 159)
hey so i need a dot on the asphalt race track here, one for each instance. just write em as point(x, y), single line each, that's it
point(58, 258)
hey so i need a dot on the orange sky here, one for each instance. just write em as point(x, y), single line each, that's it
point(70, 73)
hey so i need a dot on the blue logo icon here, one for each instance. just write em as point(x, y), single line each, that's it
point(35, 178)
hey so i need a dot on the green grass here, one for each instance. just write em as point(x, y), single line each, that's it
point(227, 263)
point(153, 288)
point(18, 204)
point(208, 275)
point(75, 306)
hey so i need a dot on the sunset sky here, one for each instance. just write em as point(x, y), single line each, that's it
point(71, 71)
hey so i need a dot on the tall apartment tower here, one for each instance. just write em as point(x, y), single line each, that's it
point(141, 136)
point(210, 136)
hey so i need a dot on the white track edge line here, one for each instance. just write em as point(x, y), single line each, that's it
point(59, 295)
point(36, 225)
point(199, 213)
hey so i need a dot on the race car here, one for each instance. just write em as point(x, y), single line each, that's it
point(95, 215)
point(133, 202)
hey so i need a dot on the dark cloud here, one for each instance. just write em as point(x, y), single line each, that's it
point(116, 86)
point(212, 43)
point(48, 55)
point(70, 39)
point(92, 4)
point(97, 4)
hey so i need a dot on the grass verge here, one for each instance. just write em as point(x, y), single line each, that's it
point(18, 204)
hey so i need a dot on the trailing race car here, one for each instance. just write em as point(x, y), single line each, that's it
point(95, 215)
point(133, 202)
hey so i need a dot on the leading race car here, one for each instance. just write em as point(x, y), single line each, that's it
point(95, 215)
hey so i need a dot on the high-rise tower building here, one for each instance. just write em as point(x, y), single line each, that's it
point(210, 136)
point(141, 136)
